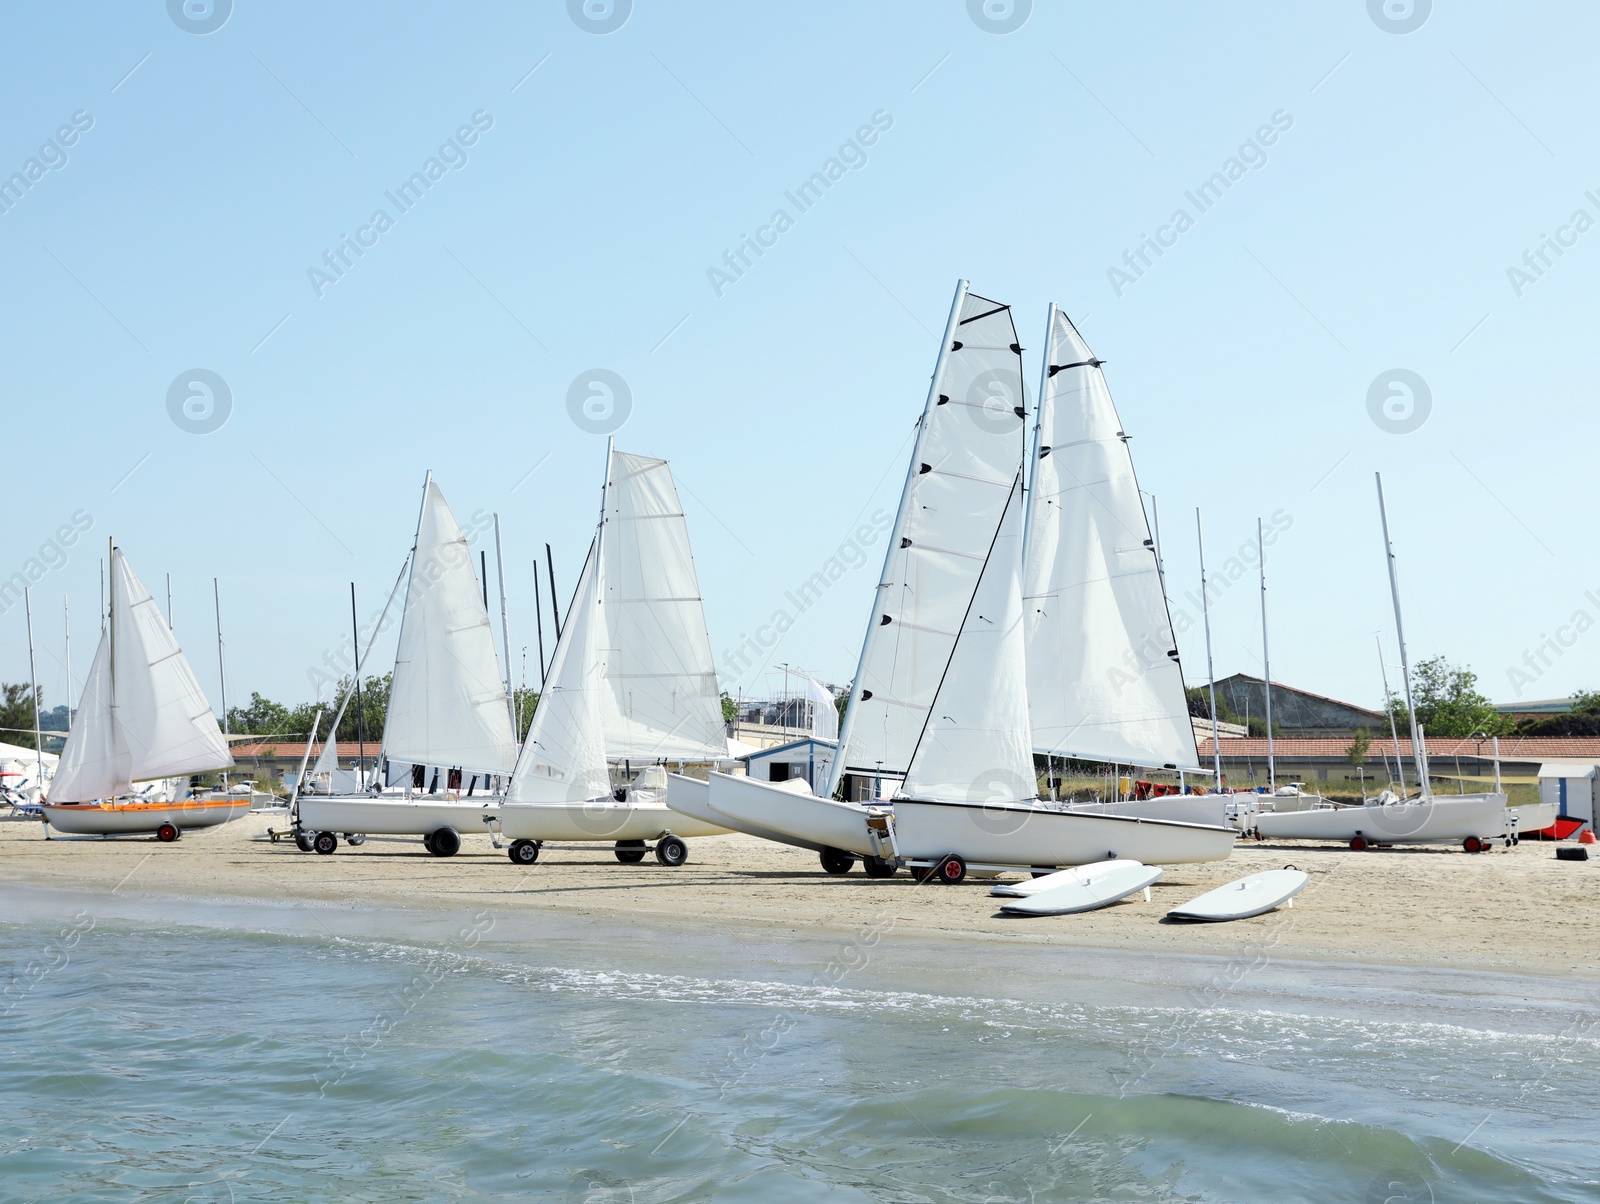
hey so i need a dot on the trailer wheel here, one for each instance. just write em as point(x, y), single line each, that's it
point(1358, 843)
point(302, 841)
point(952, 871)
point(1040, 872)
point(354, 840)
point(837, 861)
point(1472, 844)
point(922, 872)
point(630, 852)
point(670, 850)
point(523, 852)
point(879, 867)
point(444, 842)
point(325, 842)
point(166, 833)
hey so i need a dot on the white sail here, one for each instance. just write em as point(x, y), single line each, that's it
point(447, 701)
point(976, 747)
point(1104, 681)
point(564, 757)
point(824, 711)
point(968, 445)
point(142, 715)
point(662, 700)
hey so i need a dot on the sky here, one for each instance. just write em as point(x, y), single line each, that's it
point(218, 353)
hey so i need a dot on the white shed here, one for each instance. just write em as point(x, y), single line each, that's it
point(810, 760)
point(1570, 785)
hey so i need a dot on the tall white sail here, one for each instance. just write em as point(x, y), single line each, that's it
point(1104, 681)
point(564, 757)
point(969, 442)
point(975, 747)
point(143, 714)
point(447, 701)
point(824, 711)
point(662, 701)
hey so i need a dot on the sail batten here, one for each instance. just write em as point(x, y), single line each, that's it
point(1103, 681)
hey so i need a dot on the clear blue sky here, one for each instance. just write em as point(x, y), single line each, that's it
point(577, 232)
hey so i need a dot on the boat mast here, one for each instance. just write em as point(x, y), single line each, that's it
point(550, 561)
point(1417, 753)
point(66, 615)
point(33, 676)
point(538, 620)
point(505, 624)
point(361, 727)
point(169, 601)
point(895, 535)
point(378, 767)
point(1211, 673)
point(222, 669)
point(1388, 699)
point(1266, 660)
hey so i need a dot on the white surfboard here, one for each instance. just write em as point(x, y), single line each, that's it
point(1077, 873)
point(1252, 896)
point(1096, 886)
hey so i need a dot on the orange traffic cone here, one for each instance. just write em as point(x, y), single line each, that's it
point(1586, 836)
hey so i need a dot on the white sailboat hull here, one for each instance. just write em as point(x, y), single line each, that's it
point(599, 820)
point(114, 819)
point(1213, 810)
point(392, 816)
point(1015, 834)
point(1441, 820)
point(1531, 817)
point(788, 814)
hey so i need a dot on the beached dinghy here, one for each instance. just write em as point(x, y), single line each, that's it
point(1094, 888)
point(1252, 896)
point(142, 718)
point(631, 681)
point(448, 705)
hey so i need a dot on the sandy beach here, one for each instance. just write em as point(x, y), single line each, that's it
point(1512, 911)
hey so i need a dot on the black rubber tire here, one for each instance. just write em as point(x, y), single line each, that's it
point(166, 833)
point(951, 871)
point(837, 861)
point(1040, 873)
point(879, 867)
point(444, 842)
point(1358, 843)
point(354, 840)
point(671, 851)
point(1472, 844)
point(523, 852)
point(325, 842)
point(630, 852)
point(303, 841)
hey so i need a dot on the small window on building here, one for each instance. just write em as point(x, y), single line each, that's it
point(778, 771)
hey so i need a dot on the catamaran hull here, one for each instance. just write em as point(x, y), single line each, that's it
point(792, 816)
point(115, 819)
point(1532, 819)
point(692, 797)
point(1441, 820)
point(599, 821)
point(1012, 834)
point(391, 817)
point(1213, 810)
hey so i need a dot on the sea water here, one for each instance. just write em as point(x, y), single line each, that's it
point(171, 1051)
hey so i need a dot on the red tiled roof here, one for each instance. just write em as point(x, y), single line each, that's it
point(280, 749)
point(1512, 748)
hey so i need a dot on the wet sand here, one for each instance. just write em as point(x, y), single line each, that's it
point(1516, 911)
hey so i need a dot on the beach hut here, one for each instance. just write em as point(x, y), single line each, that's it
point(810, 760)
point(1570, 785)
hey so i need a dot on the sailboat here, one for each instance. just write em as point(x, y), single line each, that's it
point(940, 702)
point(631, 683)
point(448, 706)
point(1476, 820)
point(142, 718)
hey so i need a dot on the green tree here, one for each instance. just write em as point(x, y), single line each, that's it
point(374, 709)
point(1448, 703)
point(526, 699)
point(1586, 702)
point(1356, 754)
point(730, 708)
point(262, 717)
point(17, 707)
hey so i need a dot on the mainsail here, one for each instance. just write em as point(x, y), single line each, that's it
point(447, 701)
point(975, 747)
point(661, 701)
point(1104, 682)
point(962, 469)
point(142, 715)
point(564, 757)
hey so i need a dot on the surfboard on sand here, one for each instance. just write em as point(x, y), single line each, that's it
point(1252, 896)
point(1096, 886)
point(1076, 873)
